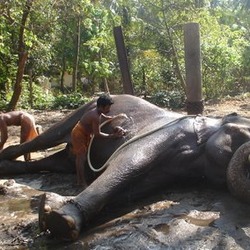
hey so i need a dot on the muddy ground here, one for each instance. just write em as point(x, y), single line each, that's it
point(198, 217)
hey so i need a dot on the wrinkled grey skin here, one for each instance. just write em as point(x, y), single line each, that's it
point(187, 148)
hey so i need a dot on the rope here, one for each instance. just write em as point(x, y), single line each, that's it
point(127, 142)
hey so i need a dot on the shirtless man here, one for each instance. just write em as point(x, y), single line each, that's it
point(18, 118)
point(88, 125)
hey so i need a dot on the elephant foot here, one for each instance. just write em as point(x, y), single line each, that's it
point(65, 223)
point(48, 203)
point(63, 226)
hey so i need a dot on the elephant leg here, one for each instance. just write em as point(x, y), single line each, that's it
point(66, 222)
point(60, 162)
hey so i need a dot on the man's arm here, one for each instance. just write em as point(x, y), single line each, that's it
point(97, 131)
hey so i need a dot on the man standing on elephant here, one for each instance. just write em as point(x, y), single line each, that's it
point(88, 125)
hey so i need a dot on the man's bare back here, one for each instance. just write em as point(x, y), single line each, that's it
point(18, 118)
point(88, 119)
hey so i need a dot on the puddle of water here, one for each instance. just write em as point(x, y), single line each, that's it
point(202, 222)
point(33, 183)
point(162, 205)
point(163, 228)
point(15, 210)
point(19, 204)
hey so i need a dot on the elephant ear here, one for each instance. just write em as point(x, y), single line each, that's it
point(238, 173)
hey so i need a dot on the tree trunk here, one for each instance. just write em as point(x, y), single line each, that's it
point(106, 86)
point(174, 53)
point(22, 58)
point(62, 74)
point(123, 61)
point(105, 81)
point(31, 100)
point(144, 84)
point(77, 51)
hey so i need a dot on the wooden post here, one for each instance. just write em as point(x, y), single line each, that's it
point(123, 61)
point(193, 68)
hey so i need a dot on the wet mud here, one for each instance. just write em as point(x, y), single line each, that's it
point(179, 218)
point(198, 217)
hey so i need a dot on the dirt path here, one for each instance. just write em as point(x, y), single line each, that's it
point(240, 105)
point(180, 218)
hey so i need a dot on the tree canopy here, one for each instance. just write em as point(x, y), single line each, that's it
point(46, 38)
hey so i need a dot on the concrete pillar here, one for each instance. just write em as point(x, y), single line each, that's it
point(193, 68)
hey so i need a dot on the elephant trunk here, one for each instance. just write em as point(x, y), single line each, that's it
point(238, 173)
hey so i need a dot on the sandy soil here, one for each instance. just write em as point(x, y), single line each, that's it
point(180, 218)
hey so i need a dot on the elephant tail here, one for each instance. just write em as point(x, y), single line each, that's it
point(238, 173)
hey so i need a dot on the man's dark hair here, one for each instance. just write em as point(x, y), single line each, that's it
point(104, 100)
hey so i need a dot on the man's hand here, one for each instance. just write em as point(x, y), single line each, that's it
point(119, 131)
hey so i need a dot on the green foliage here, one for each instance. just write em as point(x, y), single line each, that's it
point(40, 98)
point(43, 99)
point(37, 99)
point(222, 49)
point(153, 36)
point(70, 101)
point(171, 100)
point(3, 104)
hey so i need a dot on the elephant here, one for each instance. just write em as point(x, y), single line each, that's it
point(160, 148)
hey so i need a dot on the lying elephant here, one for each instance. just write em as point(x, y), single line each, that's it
point(159, 148)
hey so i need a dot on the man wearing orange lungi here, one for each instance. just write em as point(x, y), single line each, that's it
point(88, 125)
point(80, 139)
